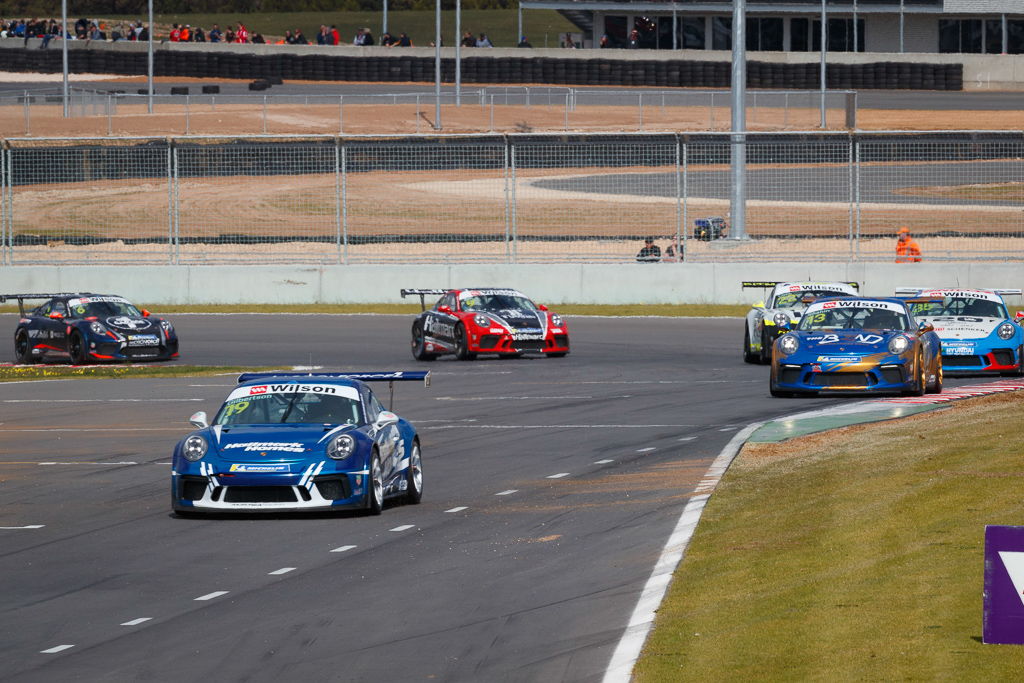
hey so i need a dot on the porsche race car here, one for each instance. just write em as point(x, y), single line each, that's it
point(467, 322)
point(782, 306)
point(857, 345)
point(88, 328)
point(291, 441)
point(978, 335)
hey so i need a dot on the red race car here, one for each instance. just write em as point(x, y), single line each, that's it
point(466, 322)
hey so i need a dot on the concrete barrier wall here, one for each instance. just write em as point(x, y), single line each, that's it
point(661, 283)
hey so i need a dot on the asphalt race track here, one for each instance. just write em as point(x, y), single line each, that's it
point(551, 486)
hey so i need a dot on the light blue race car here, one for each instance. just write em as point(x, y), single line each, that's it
point(290, 441)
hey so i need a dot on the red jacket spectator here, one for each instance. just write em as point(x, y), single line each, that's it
point(335, 36)
point(175, 34)
point(242, 34)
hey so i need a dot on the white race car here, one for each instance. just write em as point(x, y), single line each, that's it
point(782, 306)
point(978, 335)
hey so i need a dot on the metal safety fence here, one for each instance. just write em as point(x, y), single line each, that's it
point(517, 198)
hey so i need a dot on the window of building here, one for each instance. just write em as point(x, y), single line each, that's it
point(648, 30)
point(615, 29)
point(1015, 36)
point(764, 33)
point(961, 35)
point(840, 35)
point(993, 36)
point(692, 29)
point(799, 35)
point(721, 33)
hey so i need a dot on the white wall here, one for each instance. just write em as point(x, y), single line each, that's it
point(555, 284)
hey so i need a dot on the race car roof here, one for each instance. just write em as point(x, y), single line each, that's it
point(343, 378)
point(852, 287)
point(895, 305)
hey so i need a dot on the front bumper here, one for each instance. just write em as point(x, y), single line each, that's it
point(507, 343)
point(206, 490)
point(804, 378)
point(979, 360)
point(122, 351)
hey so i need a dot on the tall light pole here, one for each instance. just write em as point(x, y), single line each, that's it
point(64, 53)
point(149, 61)
point(437, 65)
point(458, 53)
point(901, 26)
point(738, 197)
point(824, 50)
point(384, 25)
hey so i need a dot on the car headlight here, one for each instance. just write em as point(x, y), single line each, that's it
point(168, 328)
point(97, 328)
point(788, 344)
point(341, 446)
point(781, 319)
point(556, 320)
point(898, 345)
point(195, 448)
point(482, 320)
point(1006, 331)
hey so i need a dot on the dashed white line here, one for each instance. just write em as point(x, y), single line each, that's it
point(646, 450)
point(404, 527)
point(27, 526)
point(558, 476)
point(458, 509)
point(507, 493)
point(136, 622)
point(342, 549)
point(728, 429)
point(55, 650)
point(282, 570)
point(602, 462)
point(211, 596)
point(688, 438)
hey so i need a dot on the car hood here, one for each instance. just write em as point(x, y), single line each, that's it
point(962, 327)
point(131, 325)
point(272, 443)
point(846, 341)
point(519, 318)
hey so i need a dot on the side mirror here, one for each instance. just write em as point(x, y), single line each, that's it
point(926, 327)
point(198, 420)
point(542, 307)
point(1018, 316)
point(444, 309)
point(759, 304)
point(145, 313)
point(785, 326)
point(56, 316)
point(385, 418)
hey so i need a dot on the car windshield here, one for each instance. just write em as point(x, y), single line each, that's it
point(854, 319)
point(102, 307)
point(289, 408)
point(497, 302)
point(795, 299)
point(971, 307)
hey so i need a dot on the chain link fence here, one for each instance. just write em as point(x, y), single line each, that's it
point(516, 198)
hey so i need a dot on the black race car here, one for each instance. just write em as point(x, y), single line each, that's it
point(89, 328)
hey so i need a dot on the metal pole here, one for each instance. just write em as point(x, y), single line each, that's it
point(437, 65)
point(515, 227)
point(264, 113)
point(901, 26)
point(28, 115)
point(685, 190)
point(849, 164)
point(824, 50)
point(341, 114)
point(64, 52)
point(508, 205)
point(384, 27)
point(856, 42)
point(149, 61)
point(520, 12)
point(344, 204)
point(856, 180)
point(640, 109)
point(170, 203)
point(675, 28)
point(337, 197)
point(1006, 41)
point(738, 199)
point(458, 53)
point(679, 205)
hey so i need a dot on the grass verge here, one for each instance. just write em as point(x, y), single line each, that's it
point(666, 310)
point(21, 373)
point(855, 554)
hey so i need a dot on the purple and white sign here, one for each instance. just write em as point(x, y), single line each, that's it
point(1003, 615)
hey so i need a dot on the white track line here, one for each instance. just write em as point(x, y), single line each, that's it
point(28, 526)
point(646, 450)
point(557, 476)
point(136, 622)
point(404, 527)
point(344, 548)
point(55, 650)
point(507, 493)
point(282, 570)
point(458, 509)
point(211, 596)
point(620, 668)
point(602, 462)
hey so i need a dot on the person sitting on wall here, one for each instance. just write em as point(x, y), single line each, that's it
point(907, 250)
point(215, 35)
point(523, 42)
point(650, 253)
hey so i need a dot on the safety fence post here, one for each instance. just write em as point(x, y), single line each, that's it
point(679, 200)
point(508, 202)
point(685, 199)
point(344, 204)
point(177, 203)
point(515, 227)
point(850, 181)
point(856, 176)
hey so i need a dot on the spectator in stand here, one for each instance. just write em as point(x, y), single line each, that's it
point(229, 35)
point(186, 34)
point(258, 39)
point(386, 39)
point(605, 42)
point(634, 40)
point(97, 33)
point(81, 28)
point(143, 32)
point(215, 35)
point(650, 253)
point(198, 36)
point(175, 35)
point(483, 41)
point(289, 39)
point(242, 34)
point(523, 42)
point(468, 40)
point(323, 37)
point(360, 38)
point(569, 42)
point(335, 35)
point(298, 38)
point(403, 41)
point(117, 33)
point(368, 37)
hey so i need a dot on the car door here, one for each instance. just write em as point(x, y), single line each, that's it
point(387, 439)
point(440, 324)
point(51, 330)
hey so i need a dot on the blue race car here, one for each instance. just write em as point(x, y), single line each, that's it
point(89, 328)
point(857, 345)
point(291, 441)
point(978, 335)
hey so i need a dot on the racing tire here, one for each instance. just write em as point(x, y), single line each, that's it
point(1019, 372)
point(414, 475)
point(766, 350)
point(462, 344)
point(921, 385)
point(936, 387)
point(419, 344)
point(22, 347)
point(780, 394)
point(748, 355)
point(76, 348)
point(557, 354)
point(375, 486)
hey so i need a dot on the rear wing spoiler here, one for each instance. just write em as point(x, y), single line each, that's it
point(914, 291)
point(384, 376)
point(423, 293)
point(768, 285)
point(21, 298)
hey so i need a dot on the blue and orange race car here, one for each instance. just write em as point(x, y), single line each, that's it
point(89, 328)
point(857, 345)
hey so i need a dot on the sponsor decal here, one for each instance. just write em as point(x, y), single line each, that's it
point(957, 350)
point(961, 294)
point(253, 391)
point(527, 337)
point(45, 334)
point(96, 299)
point(143, 340)
point(470, 293)
point(838, 359)
point(251, 446)
point(868, 339)
point(259, 469)
point(123, 322)
point(435, 327)
point(1003, 594)
point(496, 330)
point(886, 305)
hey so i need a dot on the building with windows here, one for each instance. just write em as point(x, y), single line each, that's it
point(883, 26)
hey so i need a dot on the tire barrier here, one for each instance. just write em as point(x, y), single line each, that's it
point(541, 70)
point(179, 90)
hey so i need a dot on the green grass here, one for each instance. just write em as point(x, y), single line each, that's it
point(24, 373)
point(851, 555)
point(500, 25)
